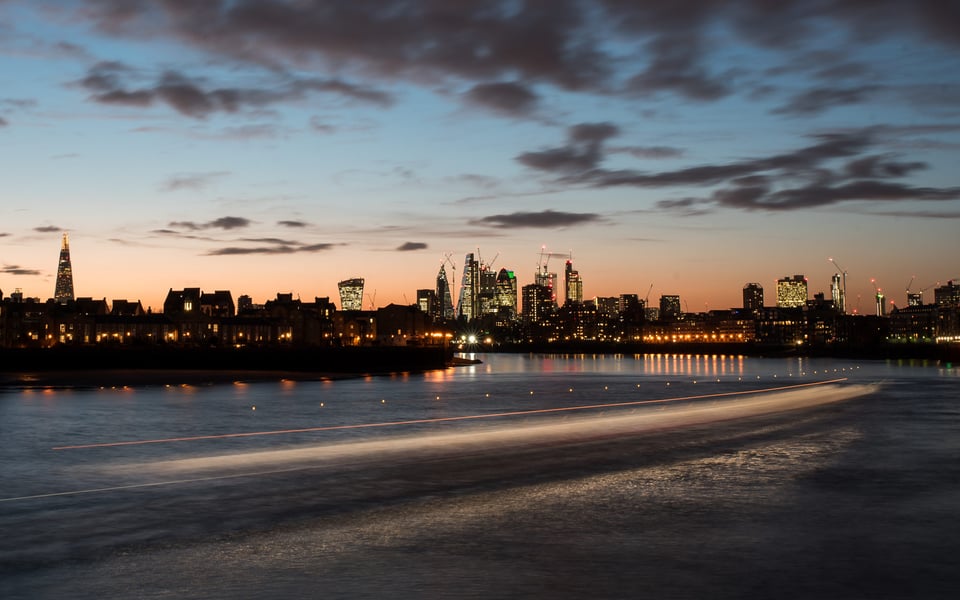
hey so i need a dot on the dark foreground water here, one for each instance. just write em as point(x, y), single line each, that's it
point(686, 477)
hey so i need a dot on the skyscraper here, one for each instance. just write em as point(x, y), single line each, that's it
point(669, 307)
point(573, 285)
point(351, 294)
point(443, 294)
point(753, 297)
point(64, 289)
point(469, 303)
point(507, 292)
point(836, 294)
point(792, 292)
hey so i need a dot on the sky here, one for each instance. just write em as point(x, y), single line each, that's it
point(684, 147)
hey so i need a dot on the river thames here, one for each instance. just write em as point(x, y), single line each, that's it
point(544, 476)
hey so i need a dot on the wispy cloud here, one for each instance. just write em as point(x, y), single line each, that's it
point(543, 219)
point(225, 223)
point(48, 229)
point(191, 181)
point(410, 246)
point(281, 248)
point(18, 270)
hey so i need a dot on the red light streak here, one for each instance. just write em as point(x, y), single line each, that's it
point(538, 411)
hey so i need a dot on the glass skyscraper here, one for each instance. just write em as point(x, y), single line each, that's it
point(64, 290)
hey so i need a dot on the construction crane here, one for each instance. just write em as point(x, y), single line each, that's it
point(546, 256)
point(646, 299)
point(843, 274)
point(373, 300)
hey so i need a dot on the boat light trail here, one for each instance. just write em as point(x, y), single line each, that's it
point(517, 413)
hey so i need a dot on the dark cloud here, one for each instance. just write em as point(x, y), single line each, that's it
point(194, 97)
point(509, 98)
point(283, 248)
point(47, 229)
point(804, 178)
point(574, 45)
point(676, 67)
point(544, 219)
point(3, 122)
point(409, 246)
point(583, 151)
point(294, 224)
point(18, 270)
point(221, 223)
point(817, 100)
point(649, 152)
point(879, 167)
point(191, 181)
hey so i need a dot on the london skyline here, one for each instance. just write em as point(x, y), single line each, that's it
point(277, 147)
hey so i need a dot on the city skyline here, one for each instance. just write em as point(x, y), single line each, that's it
point(276, 147)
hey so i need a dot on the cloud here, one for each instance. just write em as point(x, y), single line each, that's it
point(191, 181)
point(818, 100)
point(803, 178)
point(509, 98)
point(18, 270)
point(648, 152)
point(281, 248)
point(582, 152)
point(544, 219)
point(47, 229)
point(676, 67)
point(221, 223)
point(410, 246)
point(3, 122)
point(294, 224)
point(195, 97)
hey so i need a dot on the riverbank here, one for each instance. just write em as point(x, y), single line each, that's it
point(87, 367)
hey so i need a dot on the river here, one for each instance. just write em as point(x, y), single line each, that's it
point(670, 476)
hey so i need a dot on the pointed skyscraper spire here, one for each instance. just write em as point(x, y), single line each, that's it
point(64, 290)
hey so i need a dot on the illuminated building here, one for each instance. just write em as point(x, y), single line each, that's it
point(351, 294)
point(947, 295)
point(537, 303)
point(836, 294)
point(427, 302)
point(753, 297)
point(669, 307)
point(506, 292)
point(64, 289)
point(549, 282)
point(443, 294)
point(573, 285)
point(469, 303)
point(792, 292)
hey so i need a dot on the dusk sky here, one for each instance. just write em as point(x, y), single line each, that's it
point(282, 146)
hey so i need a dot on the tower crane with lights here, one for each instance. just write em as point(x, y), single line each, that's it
point(842, 304)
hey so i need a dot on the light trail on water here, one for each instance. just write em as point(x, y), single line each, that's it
point(518, 413)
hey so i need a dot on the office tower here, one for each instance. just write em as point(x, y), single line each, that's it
point(914, 298)
point(537, 303)
point(468, 304)
point(443, 294)
point(427, 302)
point(881, 307)
point(549, 282)
point(64, 290)
point(351, 294)
point(836, 294)
point(669, 307)
point(506, 293)
point(792, 292)
point(573, 285)
point(487, 291)
point(753, 297)
point(947, 295)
